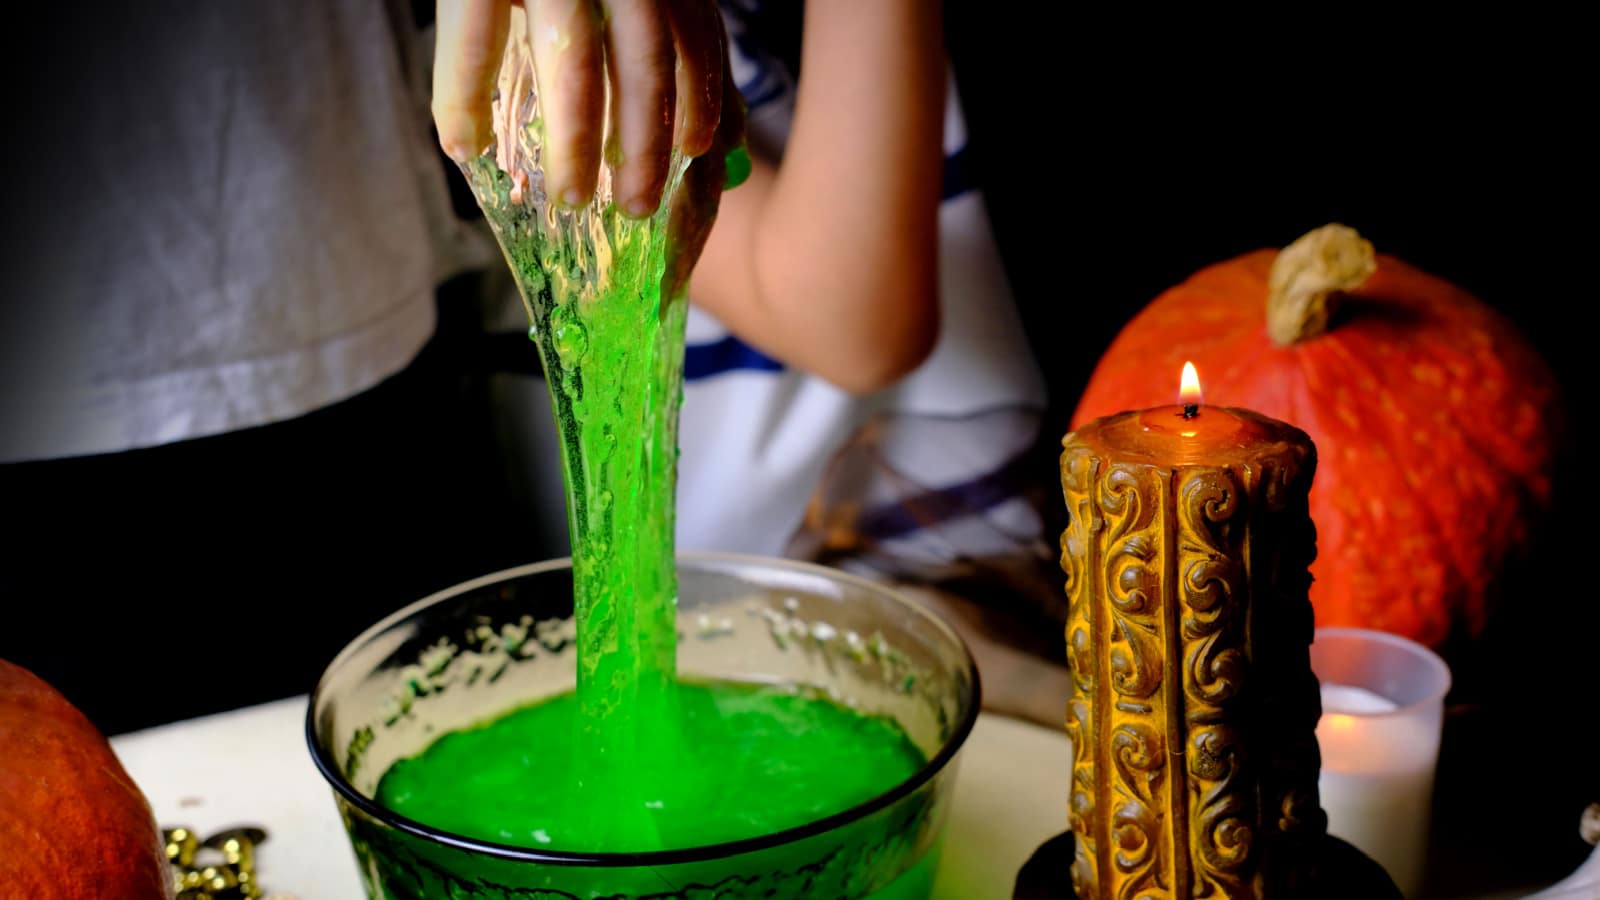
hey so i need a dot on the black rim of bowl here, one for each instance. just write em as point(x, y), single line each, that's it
point(330, 771)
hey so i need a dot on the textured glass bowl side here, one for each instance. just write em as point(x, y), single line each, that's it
point(462, 656)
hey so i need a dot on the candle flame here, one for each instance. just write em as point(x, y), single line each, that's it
point(1189, 389)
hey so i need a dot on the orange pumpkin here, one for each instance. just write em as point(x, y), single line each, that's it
point(72, 823)
point(1436, 422)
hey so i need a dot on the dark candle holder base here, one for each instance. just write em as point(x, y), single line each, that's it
point(1337, 871)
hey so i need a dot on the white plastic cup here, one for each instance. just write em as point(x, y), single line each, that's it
point(1382, 715)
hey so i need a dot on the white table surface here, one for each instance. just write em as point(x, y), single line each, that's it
point(251, 766)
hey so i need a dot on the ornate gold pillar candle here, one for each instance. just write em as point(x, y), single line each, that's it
point(1194, 707)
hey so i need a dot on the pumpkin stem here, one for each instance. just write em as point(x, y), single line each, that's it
point(1308, 278)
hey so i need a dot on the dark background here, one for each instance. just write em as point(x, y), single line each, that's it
point(1119, 155)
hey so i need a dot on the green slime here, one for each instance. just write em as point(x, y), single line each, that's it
point(612, 352)
point(631, 760)
point(765, 759)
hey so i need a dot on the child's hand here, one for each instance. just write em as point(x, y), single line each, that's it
point(664, 60)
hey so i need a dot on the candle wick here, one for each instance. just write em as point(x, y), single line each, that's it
point(1190, 410)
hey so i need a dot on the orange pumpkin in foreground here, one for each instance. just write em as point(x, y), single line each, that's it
point(72, 823)
point(1436, 423)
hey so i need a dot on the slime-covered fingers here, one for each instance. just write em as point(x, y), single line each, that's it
point(564, 43)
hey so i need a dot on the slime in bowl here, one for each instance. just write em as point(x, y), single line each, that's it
point(866, 697)
point(619, 725)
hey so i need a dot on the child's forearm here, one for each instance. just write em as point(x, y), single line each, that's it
point(828, 261)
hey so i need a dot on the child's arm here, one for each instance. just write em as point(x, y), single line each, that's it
point(828, 261)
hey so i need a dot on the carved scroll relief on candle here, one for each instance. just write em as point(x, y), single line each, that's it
point(1194, 708)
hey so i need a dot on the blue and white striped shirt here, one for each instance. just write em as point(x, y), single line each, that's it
point(758, 437)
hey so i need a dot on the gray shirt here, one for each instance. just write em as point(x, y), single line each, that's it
point(230, 214)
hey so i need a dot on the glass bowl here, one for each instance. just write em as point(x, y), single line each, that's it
point(467, 654)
